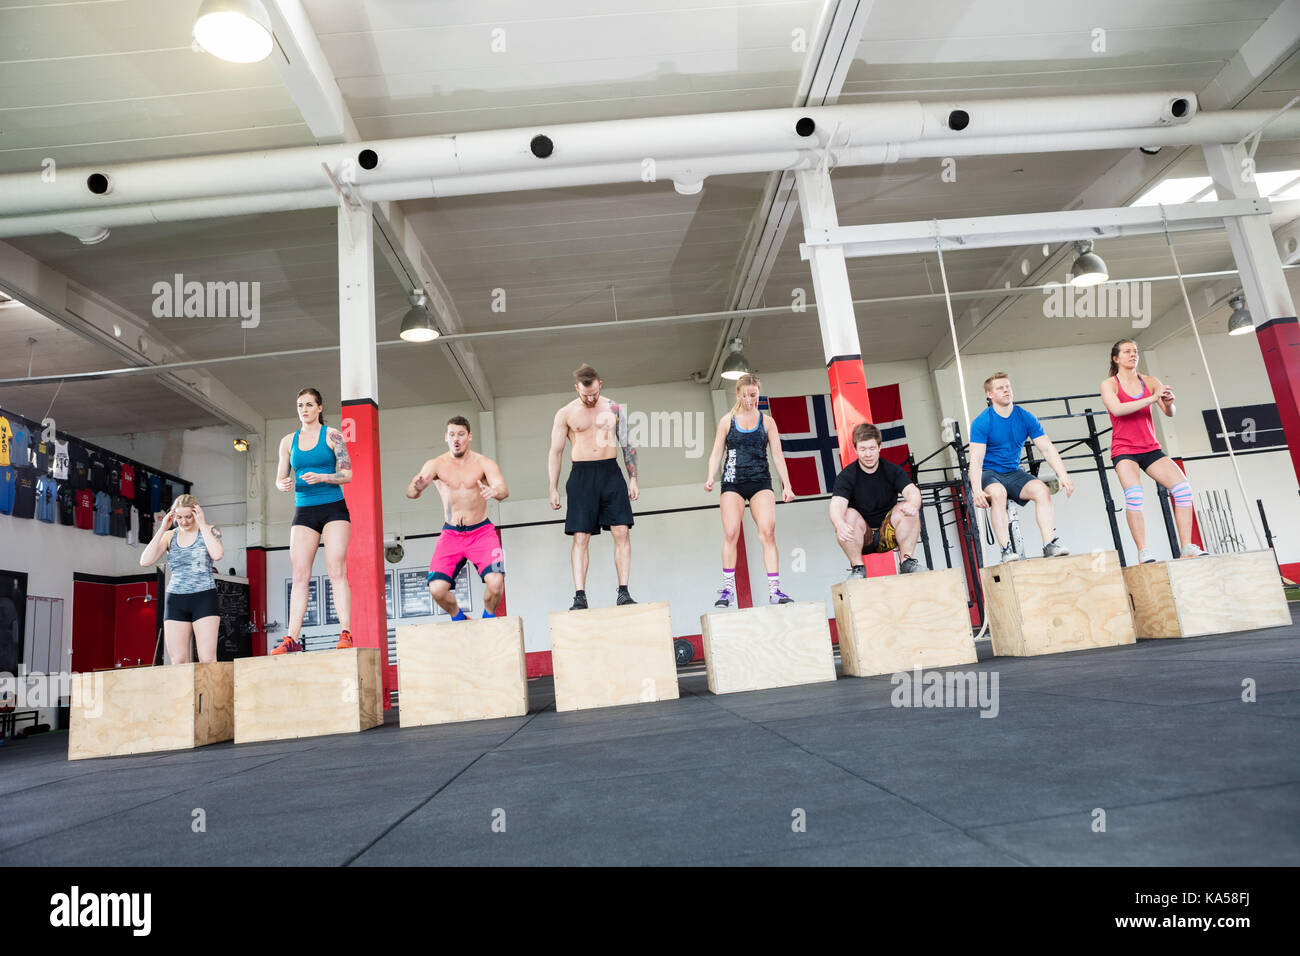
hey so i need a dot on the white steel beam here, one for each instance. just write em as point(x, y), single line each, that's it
point(890, 239)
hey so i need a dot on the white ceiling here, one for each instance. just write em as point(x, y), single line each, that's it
point(116, 80)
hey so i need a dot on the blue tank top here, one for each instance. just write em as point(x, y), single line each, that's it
point(746, 457)
point(320, 460)
point(191, 566)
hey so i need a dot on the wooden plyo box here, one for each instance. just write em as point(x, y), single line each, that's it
point(461, 670)
point(1209, 595)
point(142, 709)
point(899, 622)
point(774, 645)
point(1051, 605)
point(606, 656)
point(307, 694)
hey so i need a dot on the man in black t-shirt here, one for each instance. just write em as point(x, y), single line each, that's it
point(865, 509)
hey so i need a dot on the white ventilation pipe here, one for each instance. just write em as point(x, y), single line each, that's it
point(524, 150)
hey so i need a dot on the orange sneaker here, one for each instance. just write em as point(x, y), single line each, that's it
point(287, 646)
point(345, 641)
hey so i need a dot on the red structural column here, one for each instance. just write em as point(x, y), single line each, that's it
point(849, 403)
point(255, 562)
point(366, 545)
point(1279, 343)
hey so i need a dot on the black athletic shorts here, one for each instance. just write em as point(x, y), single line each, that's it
point(191, 607)
point(317, 517)
point(747, 489)
point(1144, 460)
point(1014, 481)
point(597, 497)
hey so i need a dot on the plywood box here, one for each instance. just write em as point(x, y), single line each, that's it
point(307, 694)
point(1051, 605)
point(1208, 595)
point(143, 709)
point(606, 656)
point(896, 623)
point(774, 645)
point(461, 670)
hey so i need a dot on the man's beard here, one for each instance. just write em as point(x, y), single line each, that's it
point(459, 454)
point(590, 404)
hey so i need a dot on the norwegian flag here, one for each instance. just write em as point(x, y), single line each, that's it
point(811, 445)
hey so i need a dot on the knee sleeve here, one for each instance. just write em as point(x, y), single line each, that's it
point(1133, 498)
point(1182, 495)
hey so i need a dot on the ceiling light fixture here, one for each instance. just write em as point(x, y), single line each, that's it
point(1088, 269)
point(735, 365)
point(1240, 322)
point(238, 31)
point(417, 325)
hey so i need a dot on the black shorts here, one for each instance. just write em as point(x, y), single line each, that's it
point(1013, 481)
point(191, 607)
point(317, 517)
point(747, 489)
point(1144, 460)
point(597, 497)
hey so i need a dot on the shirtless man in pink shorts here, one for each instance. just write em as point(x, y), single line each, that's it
point(466, 481)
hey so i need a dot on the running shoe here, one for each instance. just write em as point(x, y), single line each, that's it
point(857, 571)
point(1010, 554)
point(345, 641)
point(1145, 556)
point(1054, 550)
point(726, 598)
point(579, 602)
point(909, 566)
point(287, 646)
point(1194, 551)
point(624, 598)
point(779, 597)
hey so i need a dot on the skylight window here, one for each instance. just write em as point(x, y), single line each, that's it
point(1279, 185)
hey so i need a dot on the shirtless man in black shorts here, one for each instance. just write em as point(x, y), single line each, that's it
point(599, 499)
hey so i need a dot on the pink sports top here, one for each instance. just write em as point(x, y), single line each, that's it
point(1133, 434)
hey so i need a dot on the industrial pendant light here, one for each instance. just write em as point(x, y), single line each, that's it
point(735, 365)
point(1240, 322)
point(417, 325)
point(238, 31)
point(1088, 269)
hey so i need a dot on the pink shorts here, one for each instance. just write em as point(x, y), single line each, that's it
point(457, 544)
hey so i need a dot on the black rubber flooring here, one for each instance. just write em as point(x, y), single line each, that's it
point(1152, 740)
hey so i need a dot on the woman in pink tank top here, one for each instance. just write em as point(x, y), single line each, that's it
point(1134, 448)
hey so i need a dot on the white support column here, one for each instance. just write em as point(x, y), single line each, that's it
point(357, 349)
point(839, 326)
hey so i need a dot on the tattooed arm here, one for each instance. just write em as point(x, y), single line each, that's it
point(342, 462)
point(629, 450)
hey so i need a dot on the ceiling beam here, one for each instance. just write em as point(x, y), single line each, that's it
point(93, 317)
point(835, 42)
point(311, 84)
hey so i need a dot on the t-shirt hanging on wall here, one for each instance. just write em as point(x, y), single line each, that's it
point(44, 452)
point(47, 494)
point(167, 492)
point(6, 438)
point(98, 473)
point(59, 468)
point(103, 511)
point(24, 493)
point(146, 525)
point(6, 489)
point(66, 503)
point(19, 447)
point(155, 493)
point(84, 510)
point(118, 520)
point(128, 481)
point(80, 459)
point(114, 477)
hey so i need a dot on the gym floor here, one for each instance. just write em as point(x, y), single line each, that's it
point(1156, 735)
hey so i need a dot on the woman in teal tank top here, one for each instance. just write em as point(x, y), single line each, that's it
point(318, 457)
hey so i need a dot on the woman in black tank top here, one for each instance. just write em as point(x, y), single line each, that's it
point(741, 447)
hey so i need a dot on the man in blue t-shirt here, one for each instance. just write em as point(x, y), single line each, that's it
point(996, 437)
